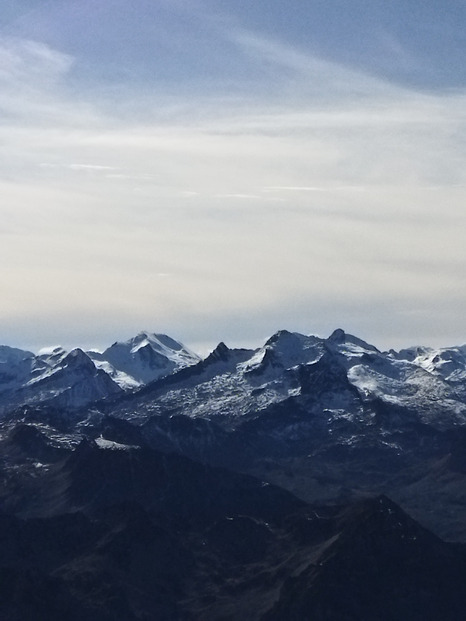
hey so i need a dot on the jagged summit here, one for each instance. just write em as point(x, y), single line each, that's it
point(76, 357)
point(340, 337)
point(286, 349)
point(162, 341)
point(220, 353)
point(337, 336)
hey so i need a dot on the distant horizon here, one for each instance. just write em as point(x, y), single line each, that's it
point(203, 349)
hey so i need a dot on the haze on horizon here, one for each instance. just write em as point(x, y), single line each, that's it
point(219, 170)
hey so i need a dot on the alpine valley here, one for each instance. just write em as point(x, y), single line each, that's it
point(311, 479)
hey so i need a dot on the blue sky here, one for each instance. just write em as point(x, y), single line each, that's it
point(220, 170)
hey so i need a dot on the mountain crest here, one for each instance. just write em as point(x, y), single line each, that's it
point(220, 353)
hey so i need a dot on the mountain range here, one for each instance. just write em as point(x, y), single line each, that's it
point(292, 481)
point(76, 378)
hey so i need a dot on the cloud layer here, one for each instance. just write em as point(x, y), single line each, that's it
point(321, 196)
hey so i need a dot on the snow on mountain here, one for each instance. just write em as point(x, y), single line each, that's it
point(212, 386)
point(342, 375)
point(233, 383)
point(348, 345)
point(76, 378)
point(47, 363)
point(282, 351)
point(296, 397)
point(142, 359)
point(332, 418)
point(113, 446)
point(73, 381)
point(448, 362)
point(404, 379)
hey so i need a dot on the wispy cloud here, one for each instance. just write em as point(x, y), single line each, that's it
point(293, 188)
point(304, 72)
point(330, 183)
point(241, 196)
point(90, 167)
point(25, 62)
point(78, 167)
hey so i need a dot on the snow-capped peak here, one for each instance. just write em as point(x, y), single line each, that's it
point(284, 350)
point(143, 358)
point(161, 343)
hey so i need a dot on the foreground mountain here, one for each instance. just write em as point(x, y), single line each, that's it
point(346, 581)
point(114, 532)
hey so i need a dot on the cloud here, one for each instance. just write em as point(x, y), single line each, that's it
point(340, 194)
point(240, 196)
point(91, 167)
point(295, 188)
point(304, 72)
point(24, 61)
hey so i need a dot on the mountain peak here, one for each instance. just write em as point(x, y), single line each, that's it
point(280, 335)
point(77, 357)
point(338, 336)
point(144, 358)
point(221, 352)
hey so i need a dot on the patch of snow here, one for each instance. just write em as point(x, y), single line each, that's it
point(124, 380)
point(113, 446)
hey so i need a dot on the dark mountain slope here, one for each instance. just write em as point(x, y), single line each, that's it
point(366, 561)
point(348, 581)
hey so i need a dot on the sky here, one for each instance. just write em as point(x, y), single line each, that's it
point(218, 170)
